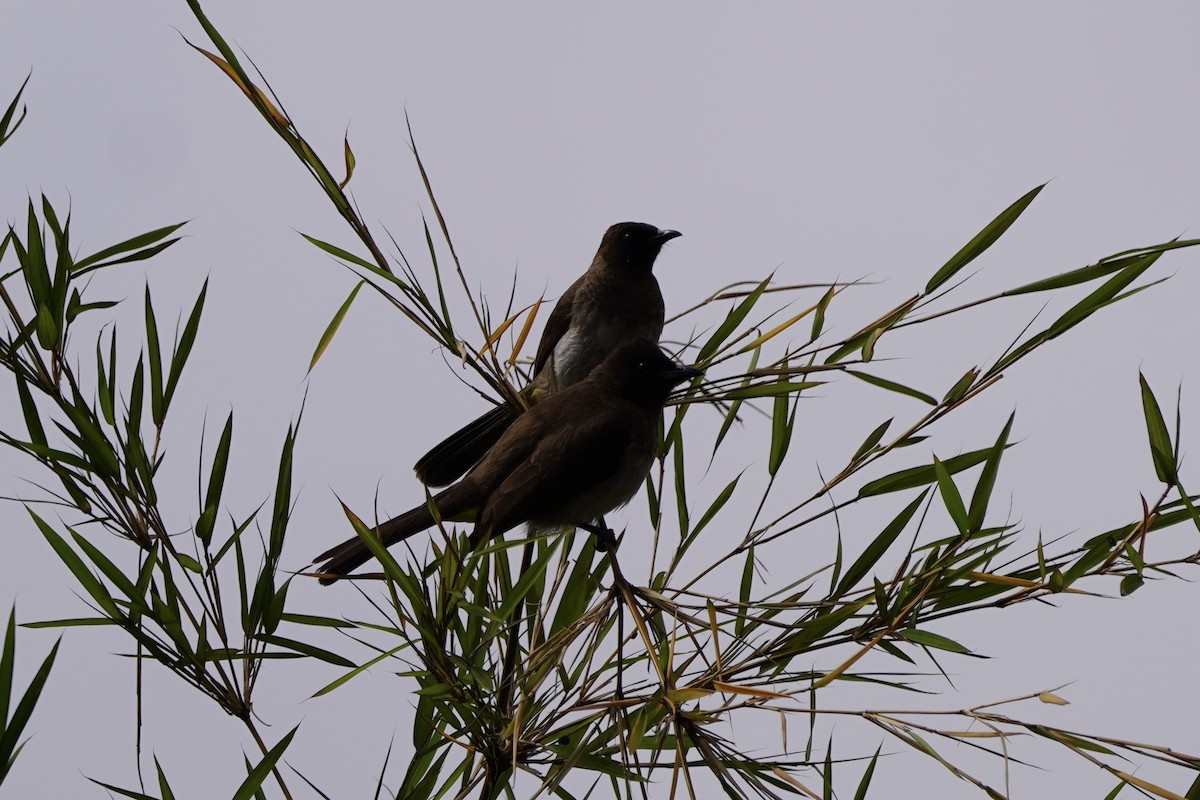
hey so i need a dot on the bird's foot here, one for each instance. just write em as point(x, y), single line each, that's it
point(605, 538)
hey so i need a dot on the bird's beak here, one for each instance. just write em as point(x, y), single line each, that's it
point(681, 374)
point(665, 236)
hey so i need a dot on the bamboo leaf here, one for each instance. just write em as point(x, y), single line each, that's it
point(1161, 450)
point(154, 357)
point(870, 557)
point(307, 649)
point(873, 439)
point(892, 386)
point(349, 158)
point(987, 479)
point(1101, 296)
point(183, 348)
point(333, 326)
point(934, 640)
point(7, 126)
point(136, 243)
point(951, 497)
point(732, 320)
point(982, 240)
point(255, 779)
point(769, 389)
point(922, 476)
point(75, 564)
point(216, 483)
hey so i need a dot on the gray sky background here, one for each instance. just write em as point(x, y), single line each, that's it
point(822, 141)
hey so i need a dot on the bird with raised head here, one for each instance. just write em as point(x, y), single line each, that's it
point(568, 460)
point(617, 300)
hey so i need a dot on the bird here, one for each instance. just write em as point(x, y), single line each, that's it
point(616, 300)
point(568, 460)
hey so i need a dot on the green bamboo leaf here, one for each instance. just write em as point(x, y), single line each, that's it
point(333, 326)
point(84, 622)
point(987, 479)
point(712, 510)
point(108, 380)
point(535, 573)
point(124, 792)
point(732, 320)
point(732, 414)
point(189, 563)
point(922, 476)
point(934, 640)
point(154, 358)
point(769, 389)
point(1130, 584)
point(274, 611)
point(744, 588)
point(75, 308)
point(1101, 296)
point(75, 564)
point(315, 620)
point(183, 348)
point(10, 744)
point(1073, 277)
point(951, 497)
point(163, 786)
point(1193, 792)
point(283, 498)
point(33, 418)
point(960, 387)
point(33, 261)
point(875, 551)
point(872, 440)
point(892, 386)
point(140, 255)
point(344, 255)
point(255, 779)
point(818, 324)
point(7, 126)
point(136, 243)
point(216, 483)
point(107, 568)
point(8, 657)
point(1161, 450)
point(307, 649)
point(865, 783)
point(356, 671)
point(982, 241)
point(576, 593)
point(783, 418)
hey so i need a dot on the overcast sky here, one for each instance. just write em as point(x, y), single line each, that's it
point(824, 141)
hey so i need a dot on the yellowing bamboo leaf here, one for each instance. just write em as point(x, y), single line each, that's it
point(251, 91)
point(749, 691)
point(349, 154)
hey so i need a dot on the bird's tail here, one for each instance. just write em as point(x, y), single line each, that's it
point(462, 449)
point(341, 560)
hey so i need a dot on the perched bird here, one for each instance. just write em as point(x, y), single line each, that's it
point(572, 457)
point(616, 300)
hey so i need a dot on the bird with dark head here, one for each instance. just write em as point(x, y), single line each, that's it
point(617, 300)
point(567, 461)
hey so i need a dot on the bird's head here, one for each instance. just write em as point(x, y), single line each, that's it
point(633, 245)
point(641, 371)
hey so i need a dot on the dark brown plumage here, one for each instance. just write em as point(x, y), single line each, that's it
point(571, 458)
point(617, 300)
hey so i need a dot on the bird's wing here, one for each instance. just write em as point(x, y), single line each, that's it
point(585, 454)
point(556, 326)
